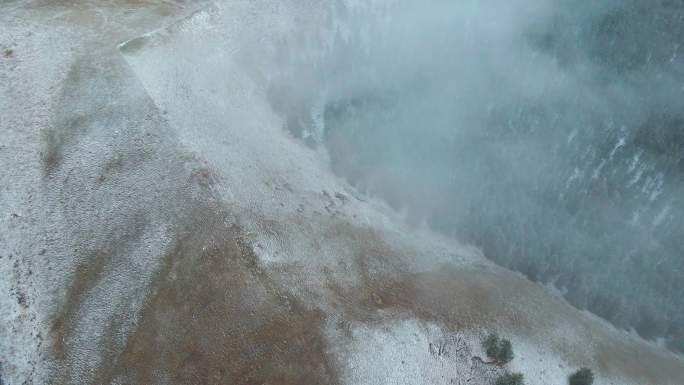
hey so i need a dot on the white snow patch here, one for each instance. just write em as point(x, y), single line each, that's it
point(409, 352)
point(597, 170)
point(621, 143)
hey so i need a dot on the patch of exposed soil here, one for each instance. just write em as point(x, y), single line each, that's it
point(215, 318)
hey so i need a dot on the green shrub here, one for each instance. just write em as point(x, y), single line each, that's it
point(583, 376)
point(510, 379)
point(499, 350)
point(505, 352)
point(491, 345)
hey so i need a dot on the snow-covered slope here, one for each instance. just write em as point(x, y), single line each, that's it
point(160, 226)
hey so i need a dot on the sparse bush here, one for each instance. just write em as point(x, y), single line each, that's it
point(499, 350)
point(510, 379)
point(583, 376)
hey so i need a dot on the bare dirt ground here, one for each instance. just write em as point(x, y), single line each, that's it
point(141, 246)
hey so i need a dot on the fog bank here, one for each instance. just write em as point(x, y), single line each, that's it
point(549, 134)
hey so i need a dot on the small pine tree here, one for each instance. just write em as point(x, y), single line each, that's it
point(583, 376)
point(491, 345)
point(510, 379)
point(505, 352)
point(499, 350)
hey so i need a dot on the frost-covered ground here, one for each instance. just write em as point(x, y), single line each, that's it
point(159, 225)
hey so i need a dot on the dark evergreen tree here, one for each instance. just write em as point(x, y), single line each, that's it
point(499, 350)
point(510, 379)
point(583, 376)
